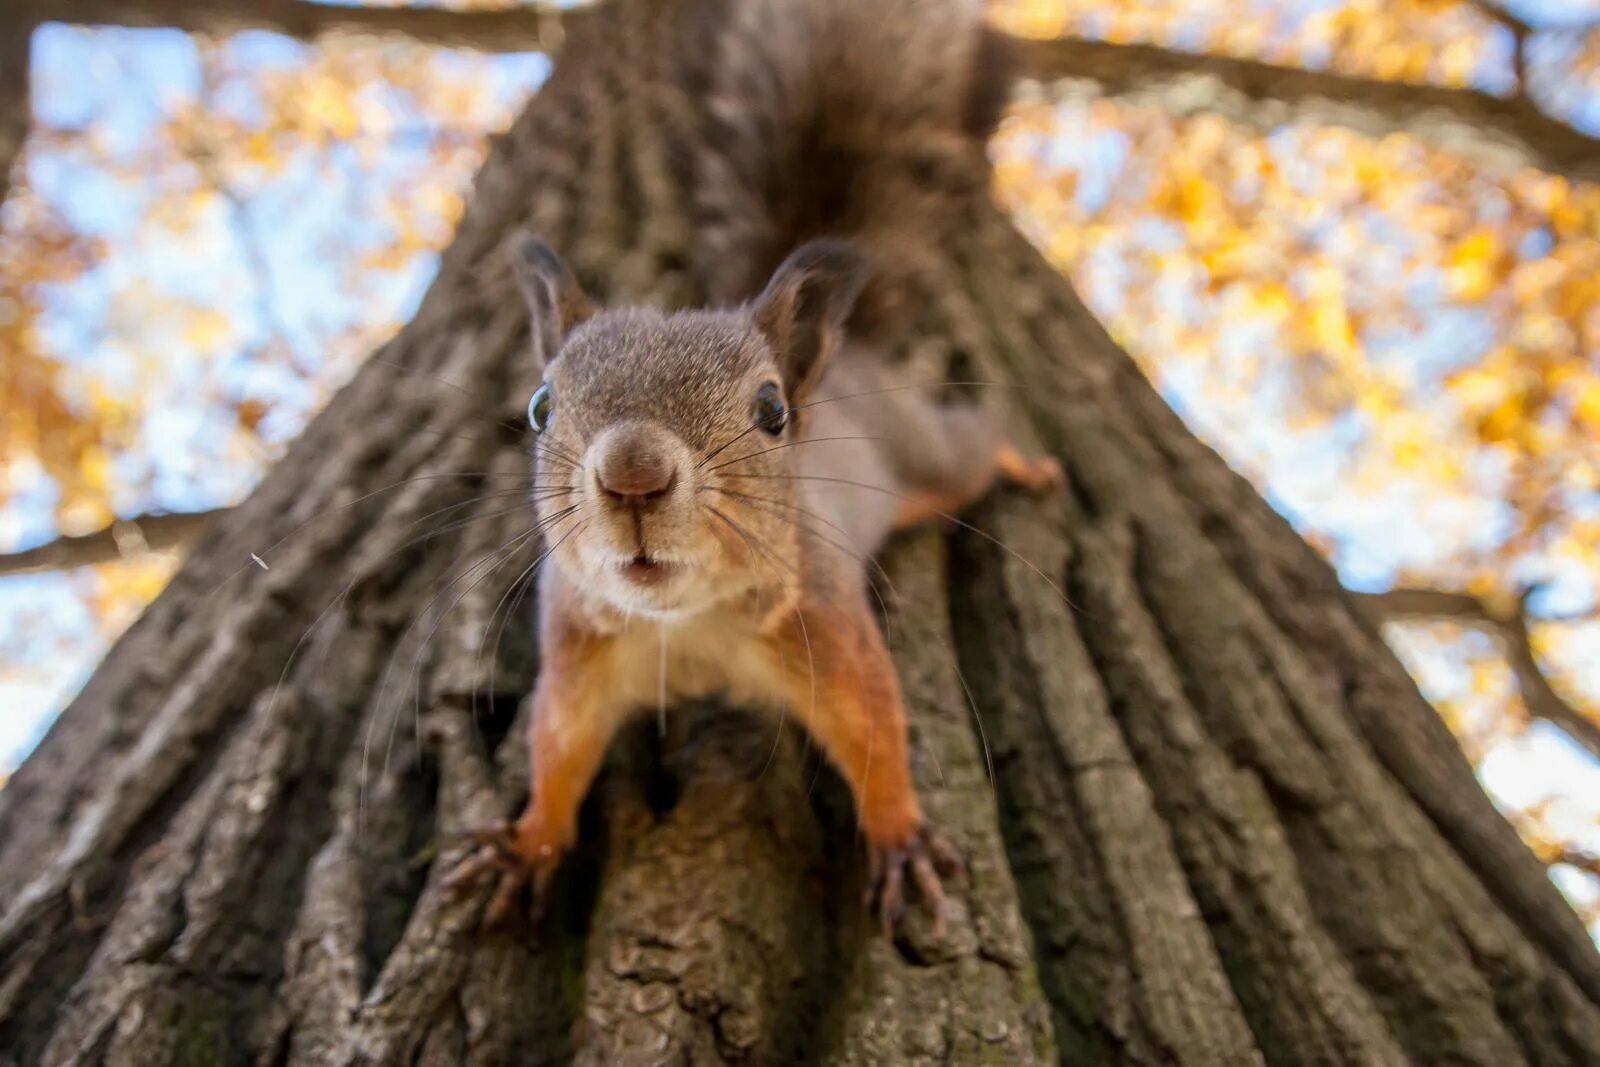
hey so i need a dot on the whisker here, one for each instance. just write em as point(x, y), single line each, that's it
point(437, 532)
point(504, 553)
point(977, 716)
point(366, 746)
point(517, 586)
point(888, 617)
point(520, 586)
point(551, 450)
point(493, 560)
point(853, 396)
point(661, 685)
point(344, 593)
point(791, 444)
point(852, 551)
point(536, 495)
point(414, 680)
point(1019, 557)
point(514, 425)
point(899, 389)
point(811, 663)
point(505, 424)
point(335, 508)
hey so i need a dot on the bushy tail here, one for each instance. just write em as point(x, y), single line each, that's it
point(858, 119)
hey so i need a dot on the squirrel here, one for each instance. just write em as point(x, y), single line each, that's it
point(714, 482)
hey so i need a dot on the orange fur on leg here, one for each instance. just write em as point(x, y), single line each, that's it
point(1037, 475)
point(843, 686)
point(567, 742)
point(916, 508)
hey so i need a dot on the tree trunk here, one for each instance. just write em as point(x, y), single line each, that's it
point(1222, 826)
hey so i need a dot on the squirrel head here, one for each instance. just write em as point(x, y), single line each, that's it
point(674, 434)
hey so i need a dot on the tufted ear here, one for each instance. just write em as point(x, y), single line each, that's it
point(803, 310)
point(556, 303)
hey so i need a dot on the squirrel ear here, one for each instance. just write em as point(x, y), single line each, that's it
point(556, 303)
point(803, 309)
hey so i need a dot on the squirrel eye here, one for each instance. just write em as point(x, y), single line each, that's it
point(771, 412)
point(540, 407)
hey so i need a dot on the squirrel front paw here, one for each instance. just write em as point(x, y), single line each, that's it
point(520, 856)
point(926, 857)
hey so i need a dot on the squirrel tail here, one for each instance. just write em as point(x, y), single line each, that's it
point(857, 119)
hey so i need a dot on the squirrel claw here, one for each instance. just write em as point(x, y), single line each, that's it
point(928, 858)
point(498, 849)
point(1043, 475)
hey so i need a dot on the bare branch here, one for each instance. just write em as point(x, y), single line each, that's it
point(125, 537)
point(1484, 128)
point(15, 33)
point(535, 28)
point(1553, 21)
point(1475, 124)
point(1587, 862)
point(1520, 31)
point(1508, 623)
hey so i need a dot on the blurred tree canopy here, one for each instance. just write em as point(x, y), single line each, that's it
point(1356, 244)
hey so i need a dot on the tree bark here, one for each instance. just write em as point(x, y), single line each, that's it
point(1207, 817)
point(524, 28)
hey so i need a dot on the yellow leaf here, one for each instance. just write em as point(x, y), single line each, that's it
point(1587, 405)
point(1331, 328)
point(258, 148)
point(1472, 265)
point(206, 329)
point(1503, 422)
point(1271, 300)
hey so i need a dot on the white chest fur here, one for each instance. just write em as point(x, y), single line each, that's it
point(717, 653)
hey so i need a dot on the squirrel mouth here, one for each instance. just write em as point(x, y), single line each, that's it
point(646, 570)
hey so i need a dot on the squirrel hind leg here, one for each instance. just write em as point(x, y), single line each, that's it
point(971, 455)
point(1036, 475)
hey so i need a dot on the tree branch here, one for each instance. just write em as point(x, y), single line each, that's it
point(1484, 128)
point(524, 29)
point(152, 533)
point(1587, 862)
point(1509, 624)
point(1520, 32)
point(1475, 124)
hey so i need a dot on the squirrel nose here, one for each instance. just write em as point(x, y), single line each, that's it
point(635, 467)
